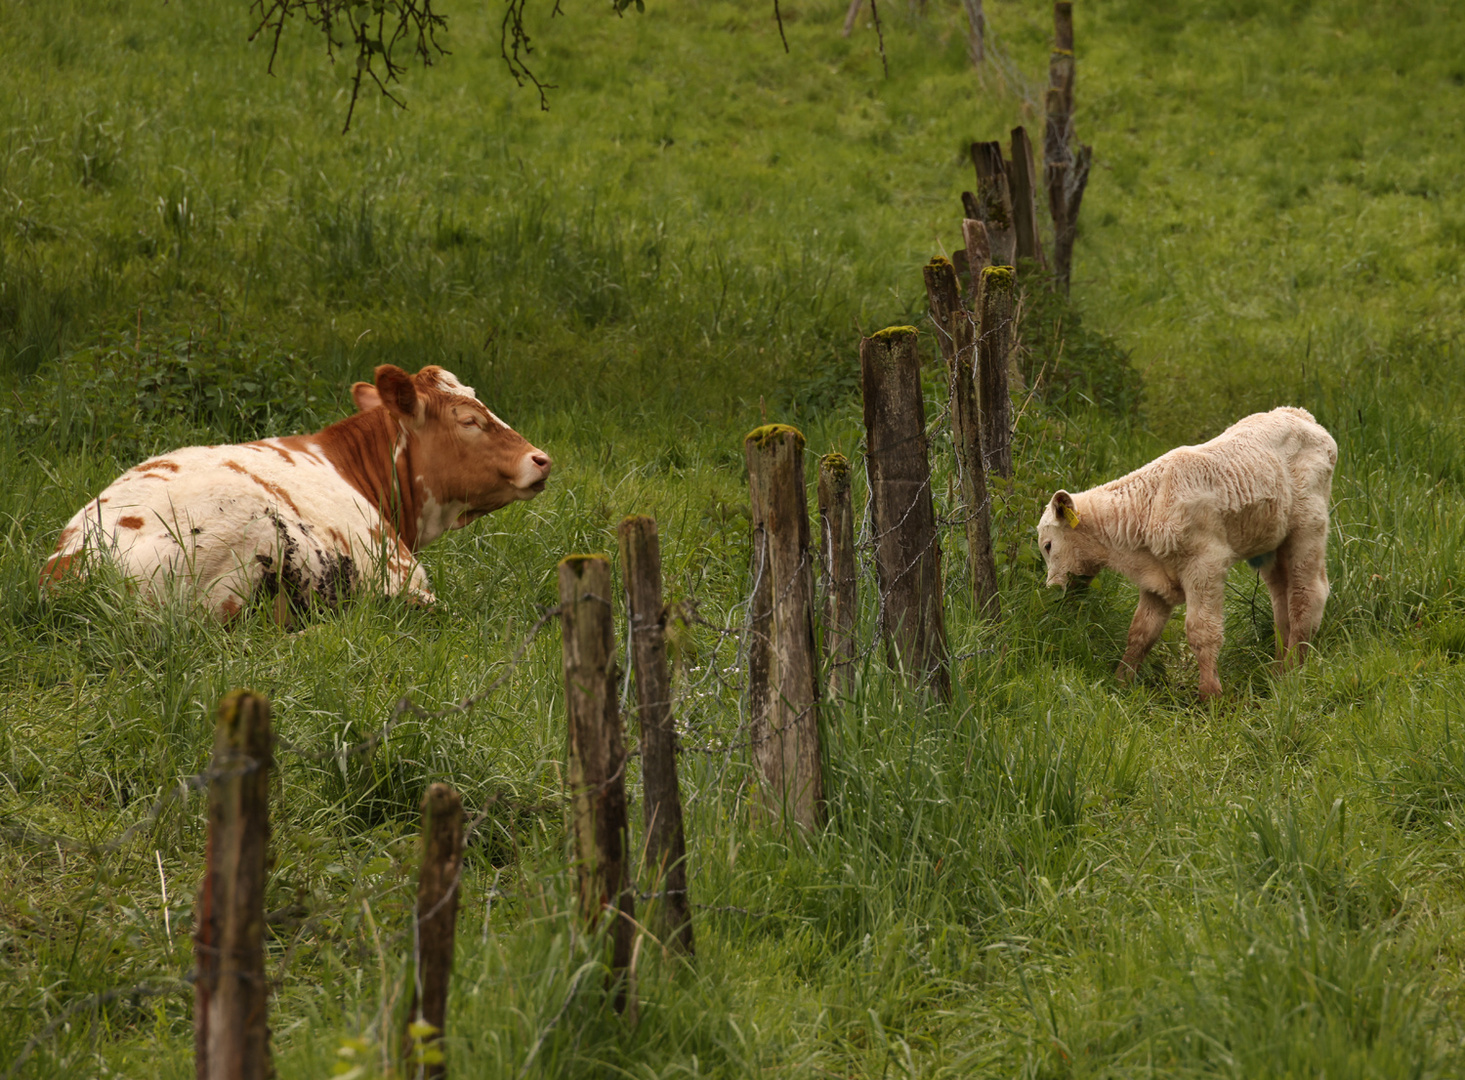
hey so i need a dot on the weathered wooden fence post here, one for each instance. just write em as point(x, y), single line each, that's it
point(955, 327)
point(994, 201)
point(907, 546)
point(978, 257)
point(666, 845)
point(597, 766)
point(994, 344)
point(783, 670)
point(1023, 175)
point(1066, 174)
point(434, 925)
point(837, 541)
point(230, 993)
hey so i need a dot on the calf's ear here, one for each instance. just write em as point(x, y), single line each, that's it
point(398, 394)
point(1063, 508)
point(365, 396)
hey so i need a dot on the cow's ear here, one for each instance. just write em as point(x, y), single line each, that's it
point(1063, 508)
point(399, 394)
point(365, 396)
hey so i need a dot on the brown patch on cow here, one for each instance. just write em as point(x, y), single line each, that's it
point(55, 569)
point(342, 544)
point(160, 463)
point(230, 607)
point(132, 521)
point(102, 500)
point(65, 537)
point(262, 446)
point(277, 491)
point(236, 467)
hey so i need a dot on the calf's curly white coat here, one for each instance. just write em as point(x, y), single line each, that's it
point(1259, 491)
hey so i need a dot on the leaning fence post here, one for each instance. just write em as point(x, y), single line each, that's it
point(230, 994)
point(994, 344)
point(666, 846)
point(907, 546)
point(434, 925)
point(1066, 173)
point(1023, 175)
point(837, 541)
point(978, 256)
point(955, 327)
point(597, 752)
point(783, 671)
point(994, 202)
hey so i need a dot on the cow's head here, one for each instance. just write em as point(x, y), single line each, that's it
point(1063, 544)
point(467, 461)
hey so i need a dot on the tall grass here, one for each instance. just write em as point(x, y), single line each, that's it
point(1048, 877)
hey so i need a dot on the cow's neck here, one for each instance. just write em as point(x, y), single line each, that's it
point(376, 457)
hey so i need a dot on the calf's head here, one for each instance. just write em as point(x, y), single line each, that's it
point(1066, 550)
point(463, 456)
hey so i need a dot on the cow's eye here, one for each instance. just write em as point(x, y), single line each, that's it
point(1048, 546)
point(469, 421)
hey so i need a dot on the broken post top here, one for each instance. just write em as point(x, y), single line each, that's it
point(939, 260)
point(579, 564)
point(997, 277)
point(761, 437)
point(891, 335)
point(637, 521)
point(441, 799)
point(835, 464)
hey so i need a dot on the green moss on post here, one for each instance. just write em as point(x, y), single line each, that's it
point(760, 437)
point(890, 333)
point(836, 465)
point(998, 277)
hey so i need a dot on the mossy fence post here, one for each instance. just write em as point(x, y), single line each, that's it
point(1066, 173)
point(597, 752)
point(907, 546)
point(434, 926)
point(783, 669)
point(837, 541)
point(957, 333)
point(666, 845)
point(230, 991)
point(1023, 177)
point(994, 201)
point(994, 344)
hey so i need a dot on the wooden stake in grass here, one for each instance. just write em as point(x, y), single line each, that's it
point(230, 992)
point(783, 670)
point(978, 257)
point(666, 846)
point(597, 751)
point(957, 331)
point(994, 344)
point(434, 924)
point(837, 541)
point(907, 546)
point(1024, 176)
point(1065, 173)
point(994, 201)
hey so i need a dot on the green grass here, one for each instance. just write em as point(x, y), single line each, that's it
point(1051, 876)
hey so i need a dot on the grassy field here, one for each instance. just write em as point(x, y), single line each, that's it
point(1050, 877)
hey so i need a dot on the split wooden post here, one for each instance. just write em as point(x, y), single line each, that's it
point(978, 257)
point(230, 991)
point(956, 328)
point(1023, 175)
point(1065, 173)
point(783, 670)
point(666, 845)
point(994, 201)
point(837, 541)
point(597, 751)
point(994, 343)
point(907, 546)
point(435, 923)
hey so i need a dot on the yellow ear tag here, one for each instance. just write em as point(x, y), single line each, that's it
point(1070, 515)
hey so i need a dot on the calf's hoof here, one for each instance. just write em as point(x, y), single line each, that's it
point(1210, 688)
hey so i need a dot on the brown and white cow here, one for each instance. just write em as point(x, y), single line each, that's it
point(310, 518)
point(1258, 491)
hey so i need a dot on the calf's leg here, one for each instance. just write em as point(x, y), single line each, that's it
point(1204, 615)
point(1307, 592)
point(1275, 576)
point(1149, 622)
